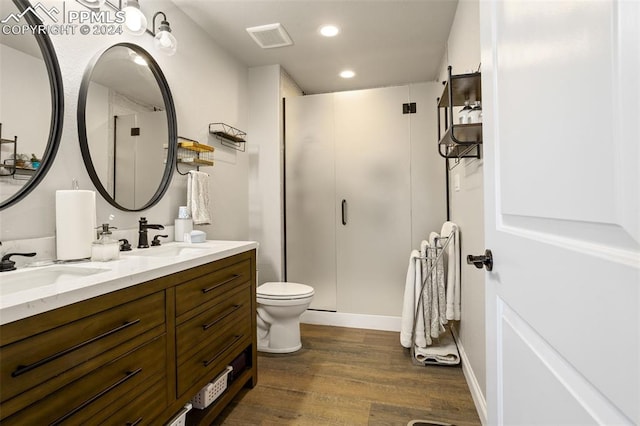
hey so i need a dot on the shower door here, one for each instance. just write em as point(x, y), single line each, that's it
point(310, 193)
point(373, 178)
point(347, 179)
point(138, 157)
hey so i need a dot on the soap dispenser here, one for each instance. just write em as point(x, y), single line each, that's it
point(105, 248)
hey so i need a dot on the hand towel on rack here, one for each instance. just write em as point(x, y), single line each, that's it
point(414, 276)
point(198, 197)
point(452, 259)
point(444, 351)
point(438, 317)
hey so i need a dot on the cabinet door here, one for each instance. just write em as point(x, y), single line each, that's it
point(373, 178)
point(310, 197)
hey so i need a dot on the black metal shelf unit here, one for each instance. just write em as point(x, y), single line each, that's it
point(12, 166)
point(459, 141)
point(228, 135)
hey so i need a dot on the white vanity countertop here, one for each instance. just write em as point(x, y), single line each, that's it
point(24, 293)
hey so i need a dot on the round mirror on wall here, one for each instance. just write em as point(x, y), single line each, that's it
point(127, 127)
point(31, 103)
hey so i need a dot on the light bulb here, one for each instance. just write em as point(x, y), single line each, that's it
point(135, 22)
point(165, 42)
point(92, 4)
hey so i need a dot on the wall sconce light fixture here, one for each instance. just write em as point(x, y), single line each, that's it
point(163, 40)
point(136, 23)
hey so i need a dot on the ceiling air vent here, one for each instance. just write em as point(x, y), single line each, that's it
point(269, 36)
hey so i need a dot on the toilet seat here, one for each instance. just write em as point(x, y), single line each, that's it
point(284, 291)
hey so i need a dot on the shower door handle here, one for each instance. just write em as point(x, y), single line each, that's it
point(344, 212)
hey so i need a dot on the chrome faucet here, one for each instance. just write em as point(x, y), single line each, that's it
point(143, 240)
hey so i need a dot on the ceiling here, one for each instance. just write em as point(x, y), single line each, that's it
point(386, 42)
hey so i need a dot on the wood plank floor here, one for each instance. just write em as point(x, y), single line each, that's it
point(346, 376)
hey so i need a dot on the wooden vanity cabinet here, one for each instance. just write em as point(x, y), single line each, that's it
point(133, 356)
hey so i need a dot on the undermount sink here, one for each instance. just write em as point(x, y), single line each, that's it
point(25, 279)
point(167, 251)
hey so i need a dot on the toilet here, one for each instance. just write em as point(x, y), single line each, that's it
point(280, 305)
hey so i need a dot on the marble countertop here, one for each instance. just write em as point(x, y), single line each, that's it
point(32, 290)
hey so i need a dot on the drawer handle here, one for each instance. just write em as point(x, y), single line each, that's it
point(213, 287)
point(129, 375)
point(21, 369)
point(227, 346)
point(229, 311)
point(136, 422)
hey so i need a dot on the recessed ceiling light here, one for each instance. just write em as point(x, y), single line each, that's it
point(347, 74)
point(329, 31)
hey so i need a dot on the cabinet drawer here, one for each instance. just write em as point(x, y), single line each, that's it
point(198, 332)
point(74, 349)
point(204, 365)
point(110, 387)
point(141, 410)
point(206, 287)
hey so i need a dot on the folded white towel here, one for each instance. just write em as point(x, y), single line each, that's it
point(443, 351)
point(198, 197)
point(452, 259)
point(409, 302)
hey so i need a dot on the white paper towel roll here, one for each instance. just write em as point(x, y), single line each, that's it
point(75, 223)
point(182, 226)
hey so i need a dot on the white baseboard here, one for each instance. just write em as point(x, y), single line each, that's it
point(341, 319)
point(474, 387)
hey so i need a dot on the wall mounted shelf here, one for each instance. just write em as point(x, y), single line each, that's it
point(194, 153)
point(229, 135)
point(11, 166)
point(457, 141)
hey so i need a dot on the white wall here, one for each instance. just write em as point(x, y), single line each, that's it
point(208, 85)
point(22, 78)
point(466, 205)
point(267, 86)
point(428, 198)
point(265, 185)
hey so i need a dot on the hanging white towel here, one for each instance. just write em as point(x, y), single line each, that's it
point(414, 276)
point(452, 259)
point(439, 290)
point(427, 294)
point(198, 197)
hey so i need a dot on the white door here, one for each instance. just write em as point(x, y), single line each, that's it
point(560, 82)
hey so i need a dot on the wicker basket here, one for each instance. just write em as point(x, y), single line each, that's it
point(212, 390)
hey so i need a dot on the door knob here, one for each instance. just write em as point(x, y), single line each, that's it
point(485, 260)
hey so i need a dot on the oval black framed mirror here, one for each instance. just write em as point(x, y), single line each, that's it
point(32, 104)
point(127, 127)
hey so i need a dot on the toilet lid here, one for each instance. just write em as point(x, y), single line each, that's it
point(282, 290)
